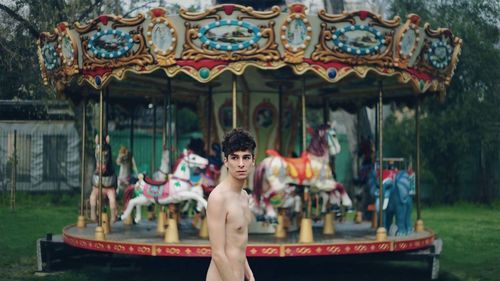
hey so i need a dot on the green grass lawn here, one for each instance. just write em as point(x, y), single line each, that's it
point(471, 235)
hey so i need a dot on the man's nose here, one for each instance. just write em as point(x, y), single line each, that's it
point(241, 163)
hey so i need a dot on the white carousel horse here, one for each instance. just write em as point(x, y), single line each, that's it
point(108, 180)
point(177, 188)
point(276, 172)
point(126, 162)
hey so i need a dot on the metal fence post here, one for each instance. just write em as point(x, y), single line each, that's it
point(14, 175)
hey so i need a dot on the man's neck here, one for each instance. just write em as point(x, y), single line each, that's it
point(234, 183)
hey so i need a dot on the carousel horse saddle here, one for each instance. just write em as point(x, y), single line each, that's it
point(155, 190)
point(298, 168)
point(107, 181)
point(151, 181)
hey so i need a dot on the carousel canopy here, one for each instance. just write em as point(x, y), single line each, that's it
point(336, 56)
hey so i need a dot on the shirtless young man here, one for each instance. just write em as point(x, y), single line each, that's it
point(228, 213)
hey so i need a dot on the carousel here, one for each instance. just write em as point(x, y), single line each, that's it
point(260, 70)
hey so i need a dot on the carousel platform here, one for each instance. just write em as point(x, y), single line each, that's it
point(143, 240)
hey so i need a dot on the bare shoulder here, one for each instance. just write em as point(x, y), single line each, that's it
point(217, 196)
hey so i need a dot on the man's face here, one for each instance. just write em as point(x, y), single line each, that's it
point(239, 163)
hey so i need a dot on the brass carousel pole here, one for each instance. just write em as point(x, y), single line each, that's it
point(161, 222)
point(235, 104)
point(209, 122)
point(306, 234)
point(81, 218)
point(419, 225)
point(99, 230)
point(381, 231)
point(303, 103)
point(171, 230)
point(169, 123)
point(152, 208)
point(281, 148)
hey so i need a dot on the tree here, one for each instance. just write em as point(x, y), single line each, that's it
point(460, 137)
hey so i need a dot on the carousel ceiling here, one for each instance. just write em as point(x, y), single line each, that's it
point(342, 57)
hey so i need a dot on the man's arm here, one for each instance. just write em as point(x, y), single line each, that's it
point(216, 219)
point(248, 272)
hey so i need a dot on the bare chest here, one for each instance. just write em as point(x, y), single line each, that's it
point(238, 216)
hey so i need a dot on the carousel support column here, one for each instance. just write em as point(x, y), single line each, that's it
point(303, 103)
point(164, 126)
point(170, 145)
point(152, 208)
point(81, 218)
point(419, 225)
point(172, 232)
point(160, 224)
point(99, 230)
point(281, 227)
point(326, 111)
point(306, 233)
point(203, 233)
point(235, 103)
point(132, 116)
point(329, 226)
point(129, 220)
point(381, 231)
point(209, 123)
point(358, 218)
point(281, 148)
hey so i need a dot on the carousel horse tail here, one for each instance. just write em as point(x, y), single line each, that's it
point(258, 181)
point(346, 200)
point(128, 194)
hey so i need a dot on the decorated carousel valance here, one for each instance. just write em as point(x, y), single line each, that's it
point(205, 44)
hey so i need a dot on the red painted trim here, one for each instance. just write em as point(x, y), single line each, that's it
point(337, 249)
point(337, 65)
point(257, 250)
point(228, 9)
point(419, 75)
point(104, 19)
point(157, 12)
point(101, 71)
point(413, 244)
point(201, 63)
point(363, 14)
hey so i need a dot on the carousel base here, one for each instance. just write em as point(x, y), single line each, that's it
point(143, 240)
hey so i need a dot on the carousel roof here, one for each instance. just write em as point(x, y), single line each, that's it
point(339, 56)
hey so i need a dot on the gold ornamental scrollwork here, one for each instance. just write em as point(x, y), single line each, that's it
point(161, 24)
point(335, 27)
point(68, 49)
point(137, 56)
point(199, 45)
point(47, 40)
point(403, 52)
point(114, 26)
point(295, 34)
point(445, 37)
point(118, 21)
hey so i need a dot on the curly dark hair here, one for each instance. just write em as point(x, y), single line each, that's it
point(238, 139)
